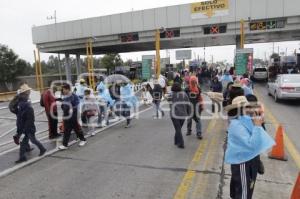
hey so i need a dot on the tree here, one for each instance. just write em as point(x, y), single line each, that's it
point(12, 66)
point(128, 62)
point(110, 61)
point(274, 55)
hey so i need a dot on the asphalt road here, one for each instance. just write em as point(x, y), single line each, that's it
point(142, 162)
point(139, 162)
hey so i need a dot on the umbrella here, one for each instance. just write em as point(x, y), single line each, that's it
point(116, 79)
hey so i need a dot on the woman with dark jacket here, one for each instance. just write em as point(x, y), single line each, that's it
point(25, 124)
point(179, 105)
point(226, 94)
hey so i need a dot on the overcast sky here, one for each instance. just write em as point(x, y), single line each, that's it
point(18, 16)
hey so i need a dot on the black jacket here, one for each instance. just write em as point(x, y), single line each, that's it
point(25, 118)
point(216, 87)
point(179, 104)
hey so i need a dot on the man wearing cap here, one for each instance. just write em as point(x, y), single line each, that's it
point(246, 141)
point(25, 124)
point(80, 88)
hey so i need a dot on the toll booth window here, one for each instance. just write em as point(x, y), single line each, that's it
point(130, 37)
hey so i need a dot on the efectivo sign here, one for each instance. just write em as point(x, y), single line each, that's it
point(208, 9)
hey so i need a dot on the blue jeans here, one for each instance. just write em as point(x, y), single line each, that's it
point(157, 108)
point(196, 118)
point(103, 110)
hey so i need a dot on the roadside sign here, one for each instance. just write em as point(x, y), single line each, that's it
point(243, 61)
point(183, 54)
point(208, 9)
point(146, 68)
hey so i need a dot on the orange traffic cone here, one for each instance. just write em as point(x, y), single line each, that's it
point(296, 191)
point(278, 150)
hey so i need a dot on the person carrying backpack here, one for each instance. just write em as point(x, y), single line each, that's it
point(157, 94)
point(194, 94)
point(13, 108)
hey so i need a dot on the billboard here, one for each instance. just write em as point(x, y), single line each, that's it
point(183, 54)
point(243, 61)
point(208, 9)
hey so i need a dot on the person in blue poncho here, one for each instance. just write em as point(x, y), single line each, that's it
point(128, 101)
point(246, 141)
point(105, 102)
point(225, 79)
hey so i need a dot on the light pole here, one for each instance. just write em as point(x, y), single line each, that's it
point(157, 47)
point(54, 17)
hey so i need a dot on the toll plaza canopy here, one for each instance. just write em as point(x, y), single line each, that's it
point(209, 23)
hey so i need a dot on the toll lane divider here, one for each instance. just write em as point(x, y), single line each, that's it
point(189, 176)
point(202, 179)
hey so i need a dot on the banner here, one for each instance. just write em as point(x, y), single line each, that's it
point(208, 9)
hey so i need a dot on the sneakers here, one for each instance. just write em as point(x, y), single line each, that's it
point(93, 133)
point(62, 147)
point(127, 126)
point(82, 143)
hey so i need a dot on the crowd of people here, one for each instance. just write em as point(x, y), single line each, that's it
point(246, 134)
point(81, 107)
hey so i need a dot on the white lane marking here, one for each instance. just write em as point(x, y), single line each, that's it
point(33, 160)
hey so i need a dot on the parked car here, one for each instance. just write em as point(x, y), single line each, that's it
point(260, 74)
point(285, 86)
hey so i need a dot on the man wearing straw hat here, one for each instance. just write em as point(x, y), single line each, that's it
point(25, 123)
